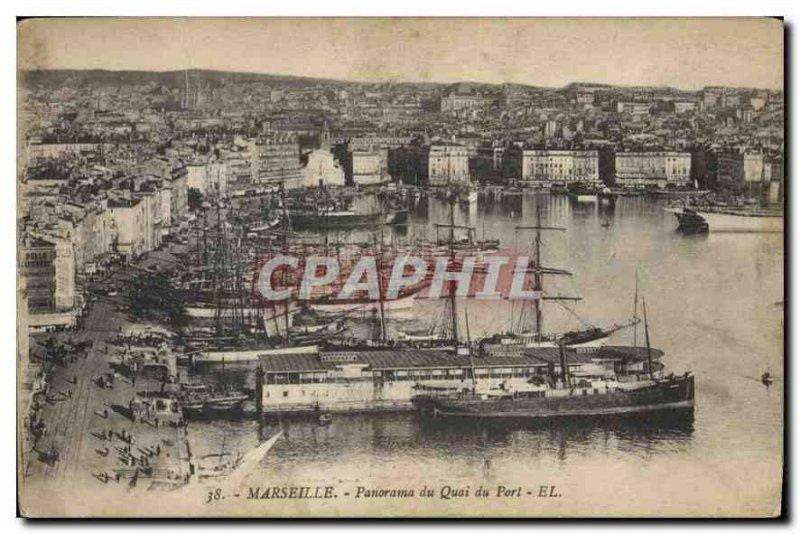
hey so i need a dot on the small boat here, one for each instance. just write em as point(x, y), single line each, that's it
point(767, 379)
point(488, 245)
point(235, 471)
point(193, 408)
point(468, 195)
point(581, 192)
point(325, 418)
point(269, 225)
point(250, 460)
point(398, 217)
point(689, 220)
point(225, 405)
point(332, 327)
point(730, 219)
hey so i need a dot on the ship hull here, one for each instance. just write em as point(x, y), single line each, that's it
point(583, 197)
point(664, 395)
point(333, 307)
point(720, 221)
point(304, 221)
point(731, 222)
point(210, 312)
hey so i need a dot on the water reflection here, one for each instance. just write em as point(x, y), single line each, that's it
point(409, 433)
point(710, 302)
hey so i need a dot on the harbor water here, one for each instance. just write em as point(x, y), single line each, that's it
point(714, 306)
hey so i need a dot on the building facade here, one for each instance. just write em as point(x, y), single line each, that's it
point(38, 268)
point(447, 164)
point(48, 266)
point(735, 167)
point(322, 170)
point(279, 163)
point(642, 169)
point(455, 102)
point(546, 167)
point(367, 167)
point(634, 108)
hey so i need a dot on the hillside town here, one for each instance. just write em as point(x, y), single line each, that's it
point(146, 198)
point(109, 160)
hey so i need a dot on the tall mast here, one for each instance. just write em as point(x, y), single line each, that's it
point(635, 307)
point(537, 276)
point(379, 251)
point(285, 252)
point(244, 317)
point(198, 243)
point(539, 271)
point(562, 353)
point(647, 341)
point(219, 271)
point(469, 348)
point(205, 238)
point(453, 313)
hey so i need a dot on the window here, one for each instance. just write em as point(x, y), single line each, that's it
point(285, 393)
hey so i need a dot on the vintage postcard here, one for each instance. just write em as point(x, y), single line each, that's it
point(501, 267)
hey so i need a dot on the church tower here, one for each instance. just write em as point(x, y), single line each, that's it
point(325, 137)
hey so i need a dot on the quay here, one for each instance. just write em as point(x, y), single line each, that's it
point(93, 423)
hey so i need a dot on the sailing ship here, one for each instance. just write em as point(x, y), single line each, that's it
point(593, 381)
point(512, 341)
point(241, 465)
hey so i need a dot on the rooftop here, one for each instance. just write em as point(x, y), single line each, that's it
point(411, 358)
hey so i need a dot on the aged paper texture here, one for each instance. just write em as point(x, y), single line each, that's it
point(400, 267)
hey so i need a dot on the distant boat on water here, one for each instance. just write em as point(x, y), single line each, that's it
point(730, 219)
point(581, 192)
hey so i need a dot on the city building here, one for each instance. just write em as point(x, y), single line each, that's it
point(446, 163)
point(39, 270)
point(743, 168)
point(712, 96)
point(584, 96)
point(642, 169)
point(138, 221)
point(684, 106)
point(279, 162)
point(216, 179)
point(634, 108)
point(545, 167)
point(434, 164)
point(48, 267)
point(321, 170)
point(458, 102)
point(196, 175)
point(366, 168)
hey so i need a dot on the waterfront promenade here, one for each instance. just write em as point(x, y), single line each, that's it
point(89, 425)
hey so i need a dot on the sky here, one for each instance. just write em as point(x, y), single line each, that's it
point(683, 53)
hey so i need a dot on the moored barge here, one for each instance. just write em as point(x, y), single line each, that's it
point(408, 379)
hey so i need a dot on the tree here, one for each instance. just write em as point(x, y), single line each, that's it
point(153, 296)
point(195, 199)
